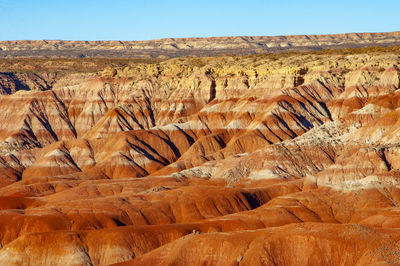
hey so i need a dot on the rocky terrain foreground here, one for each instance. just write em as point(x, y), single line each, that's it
point(269, 159)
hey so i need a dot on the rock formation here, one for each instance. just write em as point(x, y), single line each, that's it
point(174, 47)
point(285, 159)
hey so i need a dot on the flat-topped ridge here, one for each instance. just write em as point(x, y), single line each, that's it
point(173, 47)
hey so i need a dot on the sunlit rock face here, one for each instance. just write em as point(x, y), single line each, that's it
point(287, 159)
point(176, 47)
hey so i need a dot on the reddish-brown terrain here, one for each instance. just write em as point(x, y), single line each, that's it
point(269, 159)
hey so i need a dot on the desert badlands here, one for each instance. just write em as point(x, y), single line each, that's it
point(256, 151)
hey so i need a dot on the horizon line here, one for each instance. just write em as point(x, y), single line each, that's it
point(202, 37)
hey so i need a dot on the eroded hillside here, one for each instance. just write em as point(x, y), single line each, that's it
point(287, 158)
point(176, 47)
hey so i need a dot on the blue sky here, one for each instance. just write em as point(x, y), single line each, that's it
point(153, 19)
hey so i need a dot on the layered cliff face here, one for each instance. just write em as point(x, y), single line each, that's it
point(264, 159)
point(175, 47)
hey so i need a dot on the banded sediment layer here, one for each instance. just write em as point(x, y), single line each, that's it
point(175, 47)
point(274, 159)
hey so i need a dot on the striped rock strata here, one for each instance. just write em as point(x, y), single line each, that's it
point(203, 160)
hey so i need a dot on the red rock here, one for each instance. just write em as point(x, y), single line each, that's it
point(257, 159)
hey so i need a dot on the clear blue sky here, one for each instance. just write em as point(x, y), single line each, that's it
point(151, 19)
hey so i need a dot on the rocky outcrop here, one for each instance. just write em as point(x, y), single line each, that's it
point(263, 159)
point(174, 47)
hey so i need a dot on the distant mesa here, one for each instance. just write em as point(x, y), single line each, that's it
point(175, 47)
